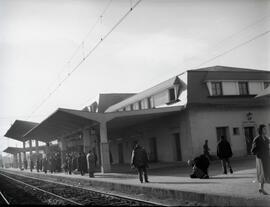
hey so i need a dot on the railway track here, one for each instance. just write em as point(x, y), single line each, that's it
point(3, 199)
point(63, 194)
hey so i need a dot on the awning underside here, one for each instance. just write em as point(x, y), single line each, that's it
point(61, 123)
point(19, 128)
point(13, 150)
point(64, 122)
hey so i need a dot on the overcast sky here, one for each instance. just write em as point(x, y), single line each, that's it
point(159, 39)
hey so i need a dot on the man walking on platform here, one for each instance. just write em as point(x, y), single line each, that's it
point(224, 152)
point(139, 160)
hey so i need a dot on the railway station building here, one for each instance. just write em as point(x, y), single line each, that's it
point(171, 120)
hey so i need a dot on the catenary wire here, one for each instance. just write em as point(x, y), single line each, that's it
point(234, 48)
point(81, 45)
point(86, 56)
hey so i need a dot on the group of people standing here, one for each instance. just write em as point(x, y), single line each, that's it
point(201, 163)
point(73, 162)
point(80, 162)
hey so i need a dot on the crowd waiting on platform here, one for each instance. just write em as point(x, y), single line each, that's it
point(73, 162)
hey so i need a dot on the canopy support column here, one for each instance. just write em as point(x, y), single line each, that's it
point(20, 160)
point(30, 147)
point(86, 141)
point(104, 148)
point(37, 150)
point(63, 148)
point(15, 160)
point(24, 156)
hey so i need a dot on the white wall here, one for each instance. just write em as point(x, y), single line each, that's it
point(205, 121)
point(162, 129)
point(161, 98)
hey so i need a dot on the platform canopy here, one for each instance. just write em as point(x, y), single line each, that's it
point(19, 128)
point(13, 150)
point(264, 93)
point(61, 123)
point(64, 122)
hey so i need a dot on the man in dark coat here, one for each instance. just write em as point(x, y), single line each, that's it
point(206, 150)
point(69, 163)
point(38, 163)
point(200, 167)
point(224, 153)
point(82, 165)
point(31, 164)
point(139, 160)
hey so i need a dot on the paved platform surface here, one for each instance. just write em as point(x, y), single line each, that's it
point(171, 182)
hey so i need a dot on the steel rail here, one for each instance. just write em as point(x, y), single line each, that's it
point(4, 198)
point(95, 191)
point(44, 191)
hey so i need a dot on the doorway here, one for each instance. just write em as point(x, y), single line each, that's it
point(249, 136)
point(223, 131)
point(177, 145)
point(153, 149)
point(120, 153)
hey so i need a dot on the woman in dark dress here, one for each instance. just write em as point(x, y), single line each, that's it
point(260, 148)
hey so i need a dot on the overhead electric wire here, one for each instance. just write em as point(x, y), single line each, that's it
point(242, 30)
point(87, 55)
point(82, 42)
point(234, 34)
point(235, 47)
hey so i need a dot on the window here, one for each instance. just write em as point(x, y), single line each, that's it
point(171, 94)
point(217, 89)
point(243, 88)
point(140, 105)
point(222, 131)
point(150, 102)
point(136, 106)
point(266, 84)
point(236, 131)
point(128, 108)
point(144, 103)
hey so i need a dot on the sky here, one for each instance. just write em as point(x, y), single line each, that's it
point(41, 42)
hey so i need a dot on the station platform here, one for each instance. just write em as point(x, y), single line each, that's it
point(170, 184)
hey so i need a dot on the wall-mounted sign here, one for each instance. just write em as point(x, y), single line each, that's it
point(249, 116)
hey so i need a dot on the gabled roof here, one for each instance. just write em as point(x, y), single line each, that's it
point(198, 92)
point(147, 93)
point(217, 73)
point(19, 128)
point(109, 99)
point(219, 68)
